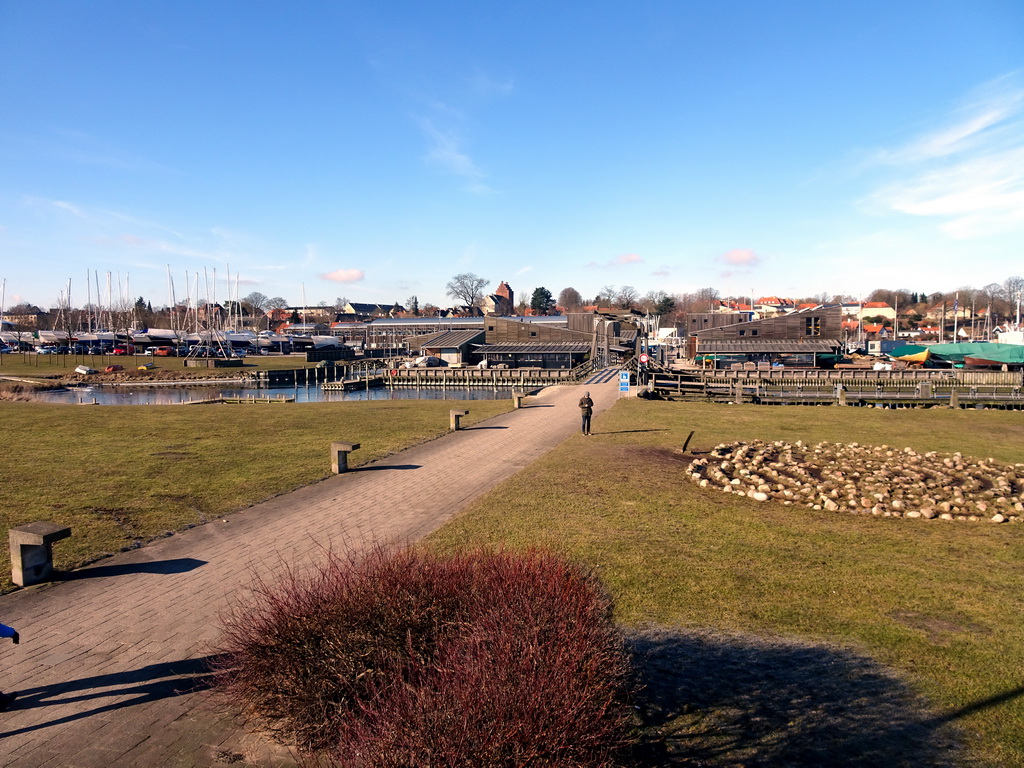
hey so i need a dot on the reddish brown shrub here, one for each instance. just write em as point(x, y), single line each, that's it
point(405, 658)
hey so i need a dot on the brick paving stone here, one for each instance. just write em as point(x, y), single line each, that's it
point(112, 655)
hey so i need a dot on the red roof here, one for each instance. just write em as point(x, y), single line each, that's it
point(876, 305)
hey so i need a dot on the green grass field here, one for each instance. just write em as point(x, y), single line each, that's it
point(119, 475)
point(33, 365)
point(940, 602)
point(799, 629)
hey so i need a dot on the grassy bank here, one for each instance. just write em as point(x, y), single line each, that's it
point(121, 475)
point(940, 602)
point(33, 365)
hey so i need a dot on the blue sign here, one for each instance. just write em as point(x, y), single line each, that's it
point(623, 381)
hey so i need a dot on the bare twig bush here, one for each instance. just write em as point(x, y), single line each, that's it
point(405, 658)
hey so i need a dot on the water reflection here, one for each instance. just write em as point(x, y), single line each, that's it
point(311, 394)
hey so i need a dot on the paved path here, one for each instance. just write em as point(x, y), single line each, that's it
point(108, 657)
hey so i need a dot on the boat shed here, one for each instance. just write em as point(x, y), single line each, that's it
point(450, 346)
point(563, 354)
point(793, 353)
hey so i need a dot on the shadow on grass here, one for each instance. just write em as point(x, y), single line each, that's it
point(163, 567)
point(714, 699)
point(98, 694)
point(627, 431)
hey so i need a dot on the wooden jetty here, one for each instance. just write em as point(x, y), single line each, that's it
point(367, 374)
point(853, 387)
point(247, 400)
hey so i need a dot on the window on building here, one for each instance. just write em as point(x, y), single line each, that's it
point(753, 331)
point(533, 333)
point(812, 326)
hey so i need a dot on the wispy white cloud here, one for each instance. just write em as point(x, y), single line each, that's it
point(74, 210)
point(969, 173)
point(740, 257)
point(485, 85)
point(524, 270)
point(446, 153)
point(344, 276)
point(624, 259)
point(86, 149)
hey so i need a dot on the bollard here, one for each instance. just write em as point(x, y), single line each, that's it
point(32, 551)
point(517, 399)
point(840, 394)
point(954, 399)
point(455, 416)
point(339, 456)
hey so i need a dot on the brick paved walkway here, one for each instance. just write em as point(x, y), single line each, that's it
point(108, 657)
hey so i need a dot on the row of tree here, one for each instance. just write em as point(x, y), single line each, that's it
point(467, 289)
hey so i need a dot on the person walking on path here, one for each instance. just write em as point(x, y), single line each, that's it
point(587, 410)
point(7, 698)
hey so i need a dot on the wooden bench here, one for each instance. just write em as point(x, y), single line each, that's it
point(32, 551)
point(455, 419)
point(339, 455)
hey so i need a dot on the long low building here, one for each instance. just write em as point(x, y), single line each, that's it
point(557, 354)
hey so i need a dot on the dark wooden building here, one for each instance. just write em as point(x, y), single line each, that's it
point(805, 338)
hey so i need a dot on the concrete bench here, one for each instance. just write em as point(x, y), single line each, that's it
point(455, 419)
point(339, 455)
point(517, 399)
point(32, 551)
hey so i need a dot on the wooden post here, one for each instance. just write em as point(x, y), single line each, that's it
point(954, 398)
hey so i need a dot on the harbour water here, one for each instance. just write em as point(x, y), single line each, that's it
point(311, 394)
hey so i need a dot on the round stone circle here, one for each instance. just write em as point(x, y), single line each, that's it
point(867, 480)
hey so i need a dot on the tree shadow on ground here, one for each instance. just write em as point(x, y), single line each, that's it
point(110, 692)
point(713, 699)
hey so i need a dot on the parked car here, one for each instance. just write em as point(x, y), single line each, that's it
point(5, 350)
point(45, 350)
point(124, 349)
point(163, 351)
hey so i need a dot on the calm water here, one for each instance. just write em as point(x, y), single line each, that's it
point(311, 394)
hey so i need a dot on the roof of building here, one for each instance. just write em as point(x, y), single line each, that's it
point(876, 305)
point(448, 339)
point(535, 346)
point(783, 346)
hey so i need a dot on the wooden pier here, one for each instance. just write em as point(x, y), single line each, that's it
point(377, 373)
point(851, 387)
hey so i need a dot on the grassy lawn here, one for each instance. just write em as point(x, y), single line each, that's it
point(33, 365)
point(119, 475)
point(938, 602)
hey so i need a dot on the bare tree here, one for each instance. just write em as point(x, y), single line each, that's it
point(256, 303)
point(570, 300)
point(606, 296)
point(466, 288)
point(627, 297)
point(1013, 287)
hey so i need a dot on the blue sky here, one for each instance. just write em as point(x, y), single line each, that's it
point(372, 151)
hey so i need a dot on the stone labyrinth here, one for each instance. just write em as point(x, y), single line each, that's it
point(866, 480)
